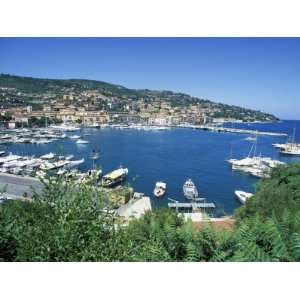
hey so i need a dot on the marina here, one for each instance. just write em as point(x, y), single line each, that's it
point(170, 156)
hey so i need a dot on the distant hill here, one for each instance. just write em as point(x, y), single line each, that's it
point(33, 87)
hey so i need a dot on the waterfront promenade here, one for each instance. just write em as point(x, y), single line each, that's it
point(19, 186)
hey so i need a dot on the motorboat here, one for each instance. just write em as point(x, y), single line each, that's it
point(114, 177)
point(2, 153)
point(69, 157)
point(73, 163)
point(81, 141)
point(61, 172)
point(74, 137)
point(243, 196)
point(8, 158)
point(160, 189)
point(65, 127)
point(250, 139)
point(189, 190)
point(48, 156)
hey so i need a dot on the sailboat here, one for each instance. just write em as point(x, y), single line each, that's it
point(291, 148)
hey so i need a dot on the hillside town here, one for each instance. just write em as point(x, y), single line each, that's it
point(27, 104)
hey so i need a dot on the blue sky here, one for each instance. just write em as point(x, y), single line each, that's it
point(258, 73)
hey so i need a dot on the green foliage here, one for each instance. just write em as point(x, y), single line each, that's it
point(75, 223)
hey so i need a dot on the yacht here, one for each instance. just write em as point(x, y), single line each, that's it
point(9, 157)
point(160, 189)
point(65, 127)
point(69, 157)
point(243, 196)
point(73, 163)
point(189, 190)
point(74, 137)
point(292, 149)
point(48, 156)
point(81, 141)
point(250, 139)
point(114, 177)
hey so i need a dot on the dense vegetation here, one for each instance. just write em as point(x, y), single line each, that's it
point(68, 223)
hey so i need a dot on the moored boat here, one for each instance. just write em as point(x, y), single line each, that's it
point(114, 177)
point(160, 189)
point(48, 156)
point(243, 196)
point(81, 141)
point(189, 190)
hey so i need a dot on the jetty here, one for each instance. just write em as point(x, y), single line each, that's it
point(192, 205)
point(240, 131)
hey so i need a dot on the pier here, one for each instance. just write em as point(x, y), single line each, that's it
point(193, 206)
point(241, 131)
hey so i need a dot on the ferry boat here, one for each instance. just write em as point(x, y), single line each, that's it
point(81, 141)
point(160, 189)
point(114, 177)
point(243, 196)
point(189, 190)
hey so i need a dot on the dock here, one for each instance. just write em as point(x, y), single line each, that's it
point(241, 131)
point(193, 206)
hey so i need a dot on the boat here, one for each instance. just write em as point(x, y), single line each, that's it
point(73, 163)
point(48, 156)
point(61, 171)
point(74, 137)
point(114, 177)
point(290, 147)
point(65, 127)
point(50, 166)
point(2, 152)
point(69, 157)
point(160, 189)
point(81, 141)
point(250, 139)
point(189, 190)
point(243, 196)
point(9, 157)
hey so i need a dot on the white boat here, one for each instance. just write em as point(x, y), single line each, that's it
point(74, 137)
point(243, 196)
point(114, 177)
point(189, 190)
point(2, 152)
point(61, 171)
point(65, 127)
point(160, 189)
point(69, 157)
point(9, 157)
point(291, 149)
point(81, 141)
point(73, 163)
point(250, 139)
point(48, 156)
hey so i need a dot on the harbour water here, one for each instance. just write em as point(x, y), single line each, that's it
point(172, 156)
